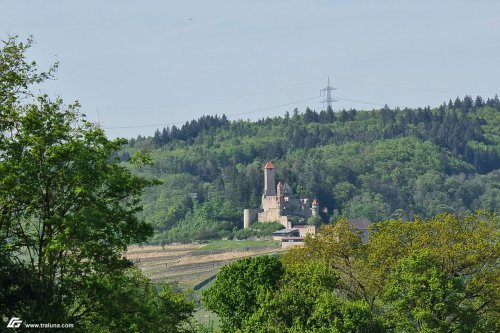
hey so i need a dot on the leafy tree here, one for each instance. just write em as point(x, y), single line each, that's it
point(341, 247)
point(303, 298)
point(307, 301)
point(67, 211)
point(293, 303)
point(128, 302)
point(457, 254)
point(424, 299)
point(141, 159)
point(315, 220)
point(236, 292)
point(258, 229)
point(343, 191)
point(439, 274)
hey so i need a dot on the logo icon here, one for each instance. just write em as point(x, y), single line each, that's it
point(14, 322)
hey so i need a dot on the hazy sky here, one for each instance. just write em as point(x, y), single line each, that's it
point(164, 62)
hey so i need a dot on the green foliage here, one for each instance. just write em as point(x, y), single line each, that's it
point(333, 314)
point(141, 159)
point(315, 220)
point(210, 219)
point(434, 275)
point(373, 164)
point(258, 230)
point(423, 298)
point(292, 305)
point(67, 213)
point(235, 293)
point(130, 303)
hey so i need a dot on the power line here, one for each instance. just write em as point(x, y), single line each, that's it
point(257, 93)
point(255, 111)
point(229, 116)
point(317, 79)
point(274, 107)
point(365, 102)
point(323, 92)
point(143, 126)
point(412, 88)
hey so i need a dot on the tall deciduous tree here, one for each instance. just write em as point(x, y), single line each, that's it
point(67, 209)
point(238, 288)
point(434, 275)
point(423, 298)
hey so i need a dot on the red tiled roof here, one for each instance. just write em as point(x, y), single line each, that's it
point(269, 165)
point(315, 202)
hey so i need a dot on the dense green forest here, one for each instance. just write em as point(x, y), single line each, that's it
point(378, 164)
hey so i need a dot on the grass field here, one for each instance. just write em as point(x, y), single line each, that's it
point(232, 245)
point(207, 318)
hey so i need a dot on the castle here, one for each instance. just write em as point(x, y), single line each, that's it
point(279, 203)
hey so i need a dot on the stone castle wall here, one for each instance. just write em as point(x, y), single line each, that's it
point(278, 202)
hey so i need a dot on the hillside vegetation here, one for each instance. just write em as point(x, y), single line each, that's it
point(379, 164)
point(435, 275)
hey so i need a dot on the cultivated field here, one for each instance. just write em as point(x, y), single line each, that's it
point(193, 266)
point(190, 266)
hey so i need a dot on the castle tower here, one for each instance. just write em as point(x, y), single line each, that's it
point(269, 180)
point(279, 197)
point(279, 189)
point(247, 219)
point(315, 208)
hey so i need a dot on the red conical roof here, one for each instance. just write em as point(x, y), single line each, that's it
point(269, 165)
point(315, 202)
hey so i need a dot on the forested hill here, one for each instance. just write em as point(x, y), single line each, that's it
point(376, 164)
